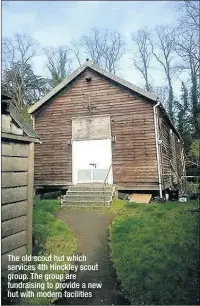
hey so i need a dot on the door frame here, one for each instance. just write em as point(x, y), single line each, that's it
point(74, 170)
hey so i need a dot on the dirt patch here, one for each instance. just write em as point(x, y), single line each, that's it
point(91, 230)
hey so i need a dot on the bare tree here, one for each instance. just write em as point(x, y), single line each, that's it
point(75, 49)
point(104, 48)
point(113, 51)
point(58, 63)
point(188, 46)
point(191, 10)
point(187, 38)
point(162, 92)
point(20, 49)
point(164, 54)
point(17, 72)
point(142, 55)
point(93, 46)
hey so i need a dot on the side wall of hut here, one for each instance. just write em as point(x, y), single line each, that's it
point(172, 156)
point(17, 191)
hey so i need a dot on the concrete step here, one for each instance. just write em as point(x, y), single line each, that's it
point(88, 193)
point(85, 204)
point(95, 194)
point(91, 184)
point(86, 198)
point(91, 187)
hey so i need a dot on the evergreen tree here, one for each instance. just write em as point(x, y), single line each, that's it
point(184, 117)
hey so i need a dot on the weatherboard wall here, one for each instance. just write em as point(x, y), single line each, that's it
point(17, 191)
point(132, 124)
point(172, 158)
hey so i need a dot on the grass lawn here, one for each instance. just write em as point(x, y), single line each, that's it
point(154, 249)
point(51, 237)
point(46, 228)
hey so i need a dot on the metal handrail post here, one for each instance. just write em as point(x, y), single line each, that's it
point(104, 184)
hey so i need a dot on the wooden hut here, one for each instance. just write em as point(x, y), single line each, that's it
point(95, 124)
point(18, 140)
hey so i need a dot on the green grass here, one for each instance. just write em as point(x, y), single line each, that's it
point(45, 224)
point(154, 249)
point(51, 237)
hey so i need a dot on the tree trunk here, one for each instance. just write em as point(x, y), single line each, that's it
point(170, 99)
point(194, 96)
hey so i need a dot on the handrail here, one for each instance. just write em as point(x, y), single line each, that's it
point(107, 174)
point(104, 184)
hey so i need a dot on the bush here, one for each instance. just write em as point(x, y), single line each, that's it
point(193, 188)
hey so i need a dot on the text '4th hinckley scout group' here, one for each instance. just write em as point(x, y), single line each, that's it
point(49, 276)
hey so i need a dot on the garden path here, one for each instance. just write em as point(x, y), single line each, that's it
point(91, 230)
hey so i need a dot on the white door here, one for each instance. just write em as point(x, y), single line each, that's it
point(91, 160)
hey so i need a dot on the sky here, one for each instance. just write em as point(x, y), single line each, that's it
point(55, 23)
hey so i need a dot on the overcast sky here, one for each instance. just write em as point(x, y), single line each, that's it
point(54, 23)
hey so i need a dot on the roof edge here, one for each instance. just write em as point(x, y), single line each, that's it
point(170, 121)
point(88, 64)
point(56, 89)
point(99, 70)
point(16, 116)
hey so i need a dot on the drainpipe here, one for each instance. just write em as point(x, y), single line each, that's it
point(157, 147)
point(183, 177)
